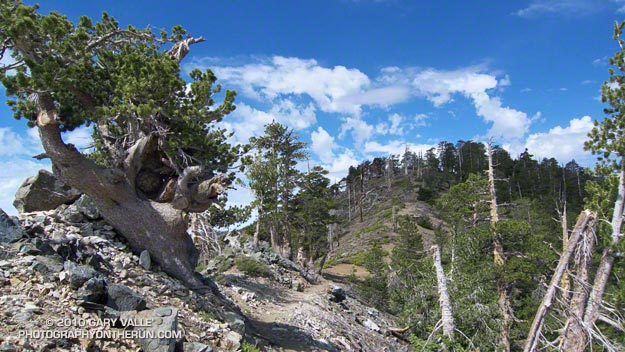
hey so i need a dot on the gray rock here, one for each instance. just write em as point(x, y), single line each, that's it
point(43, 192)
point(337, 294)
point(87, 207)
point(10, 231)
point(371, 325)
point(160, 325)
point(144, 260)
point(48, 266)
point(235, 321)
point(196, 347)
point(29, 248)
point(123, 298)
point(297, 285)
point(233, 241)
point(78, 274)
point(72, 214)
point(233, 340)
point(94, 290)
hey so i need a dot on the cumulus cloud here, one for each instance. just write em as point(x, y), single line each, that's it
point(361, 131)
point(13, 144)
point(335, 89)
point(286, 75)
point(323, 145)
point(563, 143)
point(80, 137)
point(439, 86)
point(340, 165)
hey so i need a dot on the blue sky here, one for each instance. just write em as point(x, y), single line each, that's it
point(363, 78)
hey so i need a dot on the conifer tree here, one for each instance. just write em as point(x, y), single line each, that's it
point(159, 154)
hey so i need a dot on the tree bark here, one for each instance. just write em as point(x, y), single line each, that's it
point(585, 222)
point(503, 339)
point(147, 225)
point(447, 317)
point(584, 305)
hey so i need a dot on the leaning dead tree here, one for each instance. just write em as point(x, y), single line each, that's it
point(159, 155)
point(584, 231)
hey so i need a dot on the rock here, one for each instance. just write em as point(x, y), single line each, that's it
point(42, 246)
point(87, 207)
point(78, 274)
point(144, 260)
point(122, 298)
point(94, 290)
point(337, 294)
point(232, 341)
point(71, 214)
point(232, 240)
point(297, 285)
point(29, 248)
point(371, 325)
point(9, 231)
point(235, 321)
point(43, 192)
point(196, 347)
point(48, 266)
point(164, 322)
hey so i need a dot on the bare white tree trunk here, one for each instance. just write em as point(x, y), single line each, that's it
point(585, 222)
point(389, 172)
point(447, 317)
point(503, 340)
point(585, 305)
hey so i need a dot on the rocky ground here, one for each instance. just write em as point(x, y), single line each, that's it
point(67, 270)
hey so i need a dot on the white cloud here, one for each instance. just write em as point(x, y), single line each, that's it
point(384, 96)
point(558, 7)
point(283, 76)
point(361, 131)
point(80, 137)
point(335, 89)
point(340, 165)
point(13, 144)
point(246, 122)
point(439, 86)
point(562, 143)
point(419, 120)
point(323, 145)
point(298, 117)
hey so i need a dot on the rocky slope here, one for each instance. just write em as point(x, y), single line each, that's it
point(68, 282)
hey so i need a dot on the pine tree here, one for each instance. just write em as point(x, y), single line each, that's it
point(159, 152)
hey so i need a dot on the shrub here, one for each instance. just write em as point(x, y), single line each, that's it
point(425, 222)
point(252, 267)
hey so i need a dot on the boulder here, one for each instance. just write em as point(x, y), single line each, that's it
point(163, 322)
point(43, 192)
point(337, 294)
point(78, 274)
point(232, 341)
point(87, 207)
point(10, 231)
point(94, 290)
point(123, 298)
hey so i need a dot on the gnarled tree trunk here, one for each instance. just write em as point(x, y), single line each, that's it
point(157, 227)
